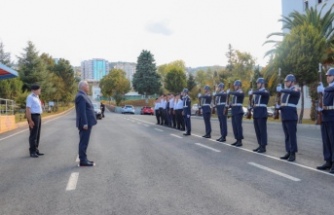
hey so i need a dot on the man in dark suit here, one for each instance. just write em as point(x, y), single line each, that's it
point(260, 114)
point(290, 99)
point(86, 119)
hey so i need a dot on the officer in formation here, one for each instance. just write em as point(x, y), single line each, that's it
point(327, 124)
point(290, 98)
point(157, 110)
point(186, 111)
point(220, 98)
point(206, 110)
point(260, 115)
point(178, 109)
point(237, 112)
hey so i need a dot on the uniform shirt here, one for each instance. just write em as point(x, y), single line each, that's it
point(156, 105)
point(206, 102)
point(237, 101)
point(220, 102)
point(178, 105)
point(163, 104)
point(328, 100)
point(261, 99)
point(289, 101)
point(186, 104)
point(171, 103)
point(34, 104)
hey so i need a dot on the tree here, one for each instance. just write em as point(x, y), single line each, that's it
point(175, 80)
point(191, 82)
point(146, 80)
point(9, 88)
point(31, 68)
point(115, 85)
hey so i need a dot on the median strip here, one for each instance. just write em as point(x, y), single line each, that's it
point(72, 182)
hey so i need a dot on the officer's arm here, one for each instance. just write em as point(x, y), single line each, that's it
point(262, 93)
point(291, 92)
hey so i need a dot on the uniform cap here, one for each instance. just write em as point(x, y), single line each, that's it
point(35, 87)
point(206, 88)
point(260, 80)
point(185, 90)
point(290, 77)
point(237, 83)
point(330, 72)
point(221, 85)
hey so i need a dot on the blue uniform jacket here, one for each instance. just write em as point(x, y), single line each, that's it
point(260, 99)
point(206, 101)
point(85, 110)
point(289, 102)
point(220, 102)
point(328, 100)
point(186, 105)
point(237, 101)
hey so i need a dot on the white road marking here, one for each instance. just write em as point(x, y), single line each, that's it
point(274, 171)
point(174, 135)
point(207, 147)
point(157, 129)
point(72, 182)
point(146, 125)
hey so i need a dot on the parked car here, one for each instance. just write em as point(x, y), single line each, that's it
point(271, 111)
point(97, 110)
point(147, 110)
point(194, 109)
point(128, 109)
point(229, 112)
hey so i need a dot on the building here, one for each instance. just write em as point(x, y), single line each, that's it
point(94, 69)
point(127, 67)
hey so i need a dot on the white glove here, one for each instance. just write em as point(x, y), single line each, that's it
point(277, 106)
point(228, 91)
point(199, 95)
point(319, 109)
point(250, 92)
point(279, 88)
point(188, 116)
point(249, 108)
point(320, 88)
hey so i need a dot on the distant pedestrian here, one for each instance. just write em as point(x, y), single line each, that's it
point(33, 114)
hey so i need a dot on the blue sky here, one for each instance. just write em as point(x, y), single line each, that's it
point(196, 31)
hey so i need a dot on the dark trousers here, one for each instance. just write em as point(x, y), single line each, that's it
point(172, 118)
point(157, 115)
point(162, 116)
point(179, 119)
point(83, 144)
point(222, 125)
point(167, 117)
point(260, 125)
point(237, 126)
point(35, 133)
point(187, 122)
point(327, 134)
point(207, 122)
point(290, 132)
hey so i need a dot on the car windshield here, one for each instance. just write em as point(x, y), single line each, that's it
point(128, 106)
point(96, 106)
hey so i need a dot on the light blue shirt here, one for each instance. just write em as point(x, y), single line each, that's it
point(34, 104)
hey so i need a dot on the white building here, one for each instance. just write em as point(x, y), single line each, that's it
point(127, 67)
point(94, 69)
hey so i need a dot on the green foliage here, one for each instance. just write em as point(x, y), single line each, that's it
point(191, 82)
point(115, 85)
point(175, 80)
point(146, 80)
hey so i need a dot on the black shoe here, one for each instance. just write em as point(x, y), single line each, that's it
point(332, 170)
point(33, 155)
point(239, 144)
point(186, 134)
point(207, 136)
point(233, 144)
point(87, 163)
point(257, 149)
point(292, 157)
point(39, 154)
point(219, 139)
point(325, 166)
point(285, 157)
point(222, 139)
point(262, 149)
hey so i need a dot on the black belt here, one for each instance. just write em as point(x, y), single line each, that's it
point(37, 114)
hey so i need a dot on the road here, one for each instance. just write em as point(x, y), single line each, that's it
point(144, 168)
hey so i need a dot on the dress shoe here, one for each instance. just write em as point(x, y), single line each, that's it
point(332, 170)
point(239, 144)
point(262, 149)
point(222, 139)
point(87, 163)
point(207, 136)
point(219, 139)
point(292, 157)
point(186, 134)
point(235, 143)
point(257, 149)
point(325, 166)
point(285, 157)
point(33, 155)
point(39, 154)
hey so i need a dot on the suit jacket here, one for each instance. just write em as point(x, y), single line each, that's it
point(85, 110)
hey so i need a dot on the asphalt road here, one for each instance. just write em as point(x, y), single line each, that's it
point(144, 168)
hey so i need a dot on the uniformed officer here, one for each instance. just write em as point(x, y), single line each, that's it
point(260, 114)
point(289, 101)
point(157, 110)
point(327, 125)
point(237, 112)
point(220, 105)
point(186, 112)
point(33, 114)
point(178, 108)
point(206, 110)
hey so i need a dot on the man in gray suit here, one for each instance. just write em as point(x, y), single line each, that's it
point(86, 119)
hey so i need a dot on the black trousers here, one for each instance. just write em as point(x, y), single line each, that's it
point(207, 122)
point(83, 144)
point(237, 126)
point(157, 115)
point(290, 132)
point(260, 126)
point(35, 133)
point(327, 133)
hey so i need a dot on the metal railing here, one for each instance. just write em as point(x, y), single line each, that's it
point(7, 107)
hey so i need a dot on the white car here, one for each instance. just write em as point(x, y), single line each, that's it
point(194, 109)
point(97, 110)
point(128, 109)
